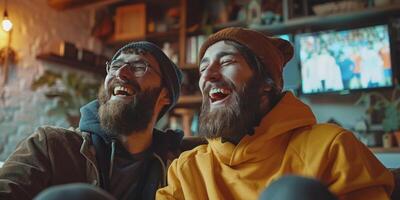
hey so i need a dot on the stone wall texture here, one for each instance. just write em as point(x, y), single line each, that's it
point(37, 28)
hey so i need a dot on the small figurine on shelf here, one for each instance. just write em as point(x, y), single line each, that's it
point(264, 12)
point(254, 12)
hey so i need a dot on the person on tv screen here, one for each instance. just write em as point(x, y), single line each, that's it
point(346, 69)
point(372, 71)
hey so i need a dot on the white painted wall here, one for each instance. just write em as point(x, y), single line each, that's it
point(37, 28)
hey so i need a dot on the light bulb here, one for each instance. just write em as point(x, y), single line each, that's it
point(6, 24)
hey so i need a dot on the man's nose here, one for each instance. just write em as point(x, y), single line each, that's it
point(212, 73)
point(124, 73)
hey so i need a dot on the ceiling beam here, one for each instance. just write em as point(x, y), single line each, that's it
point(71, 4)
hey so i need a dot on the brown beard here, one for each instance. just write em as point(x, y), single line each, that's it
point(234, 120)
point(119, 118)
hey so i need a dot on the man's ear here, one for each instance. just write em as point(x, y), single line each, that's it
point(164, 97)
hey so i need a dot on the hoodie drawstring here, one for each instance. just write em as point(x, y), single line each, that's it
point(112, 158)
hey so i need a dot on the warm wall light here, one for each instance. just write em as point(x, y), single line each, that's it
point(6, 24)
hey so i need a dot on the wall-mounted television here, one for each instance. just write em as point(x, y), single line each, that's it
point(352, 59)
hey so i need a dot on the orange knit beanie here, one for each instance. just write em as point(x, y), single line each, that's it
point(274, 53)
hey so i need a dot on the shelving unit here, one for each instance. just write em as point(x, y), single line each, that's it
point(175, 34)
point(190, 99)
point(370, 15)
point(295, 25)
point(71, 4)
point(230, 24)
point(75, 64)
point(149, 37)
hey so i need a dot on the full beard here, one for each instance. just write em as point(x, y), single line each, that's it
point(120, 118)
point(234, 120)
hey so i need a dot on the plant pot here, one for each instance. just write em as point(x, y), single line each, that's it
point(387, 140)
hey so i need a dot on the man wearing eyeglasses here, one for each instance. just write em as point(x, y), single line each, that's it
point(116, 146)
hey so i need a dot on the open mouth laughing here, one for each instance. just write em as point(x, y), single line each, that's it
point(122, 92)
point(219, 94)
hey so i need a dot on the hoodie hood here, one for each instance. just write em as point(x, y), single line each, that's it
point(271, 135)
point(90, 122)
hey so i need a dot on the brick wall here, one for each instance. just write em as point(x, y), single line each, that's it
point(37, 27)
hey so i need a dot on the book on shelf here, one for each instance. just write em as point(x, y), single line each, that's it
point(193, 45)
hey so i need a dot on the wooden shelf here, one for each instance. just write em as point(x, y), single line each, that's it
point(370, 15)
point(189, 66)
point(190, 99)
point(218, 27)
point(385, 150)
point(156, 36)
point(76, 64)
point(70, 4)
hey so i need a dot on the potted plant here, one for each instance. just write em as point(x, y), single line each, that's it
point(388, 108)
point(70, 91)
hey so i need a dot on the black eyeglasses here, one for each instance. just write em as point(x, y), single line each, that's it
point(138, 68)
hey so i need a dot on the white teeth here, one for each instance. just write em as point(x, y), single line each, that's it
point(125, 89)
point(219, 90)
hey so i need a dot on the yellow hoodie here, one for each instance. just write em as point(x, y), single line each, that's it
point(287, 141)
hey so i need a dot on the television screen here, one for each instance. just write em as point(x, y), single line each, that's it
point(345, 60)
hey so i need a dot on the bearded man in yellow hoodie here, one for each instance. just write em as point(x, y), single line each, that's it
point(257, 134)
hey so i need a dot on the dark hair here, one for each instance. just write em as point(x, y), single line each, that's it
point(259, 70)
